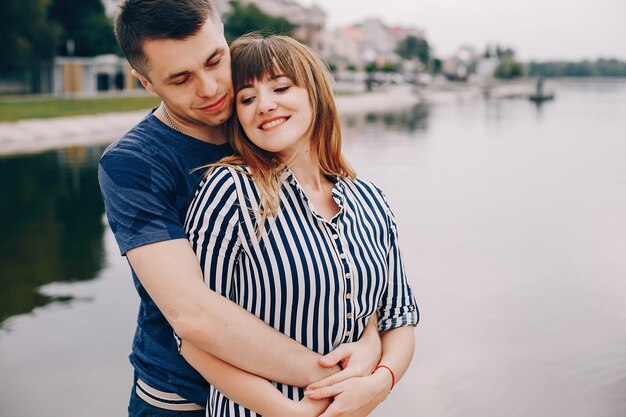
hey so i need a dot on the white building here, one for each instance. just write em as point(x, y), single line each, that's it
point(462, 64)
point(87, 76)
point(342, 47)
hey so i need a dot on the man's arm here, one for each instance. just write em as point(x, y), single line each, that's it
point(170, 273)
point(247, 390)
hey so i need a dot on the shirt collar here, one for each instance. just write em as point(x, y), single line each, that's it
point(338, 191)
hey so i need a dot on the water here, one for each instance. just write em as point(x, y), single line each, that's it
point(511, 221)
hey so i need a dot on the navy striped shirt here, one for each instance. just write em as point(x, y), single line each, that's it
point(316, 281)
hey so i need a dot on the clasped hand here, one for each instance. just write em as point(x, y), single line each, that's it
point(354, 391)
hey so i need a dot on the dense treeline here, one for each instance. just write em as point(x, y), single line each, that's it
point(26, 33)
point(33, 31)
point(598, 68)
point(86, 30)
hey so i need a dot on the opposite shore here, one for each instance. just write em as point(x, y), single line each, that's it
point(37, 135)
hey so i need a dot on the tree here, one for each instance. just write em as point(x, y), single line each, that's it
point(509, 68)
point(414, 47)
point(437, 64)
point(598, 68)
point(242, 19)
point(371, 67)
point(502, 52)
point(26, 36)
point(84, 24)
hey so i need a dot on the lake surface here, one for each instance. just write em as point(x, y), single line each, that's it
point(513, 228)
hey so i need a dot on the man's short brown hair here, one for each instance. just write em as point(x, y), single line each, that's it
point(141, 20)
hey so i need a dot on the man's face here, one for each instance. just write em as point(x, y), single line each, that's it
point(192, 77)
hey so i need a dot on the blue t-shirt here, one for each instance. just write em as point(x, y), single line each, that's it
point(147, 182)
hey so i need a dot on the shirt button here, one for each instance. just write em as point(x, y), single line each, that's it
point(349, 296)
point(349, 316)
point(335, 236)
point(342, 255)
point(348, 275)
point(348, 333)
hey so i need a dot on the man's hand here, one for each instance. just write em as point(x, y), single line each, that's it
point(356, 359)
point(354, 397)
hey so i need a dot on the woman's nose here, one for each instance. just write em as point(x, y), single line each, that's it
point(266, 104)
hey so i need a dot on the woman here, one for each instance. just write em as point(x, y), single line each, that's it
point(287, 231)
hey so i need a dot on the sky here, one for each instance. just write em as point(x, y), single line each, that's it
point(535, 29)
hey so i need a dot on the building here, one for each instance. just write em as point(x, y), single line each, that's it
point(368, 41)
point(77, 76)
point(462, 64)
point(342, 47)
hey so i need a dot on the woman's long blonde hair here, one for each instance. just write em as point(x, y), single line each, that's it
point(256, 58)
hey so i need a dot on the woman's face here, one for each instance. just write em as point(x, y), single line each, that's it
point(276, 115)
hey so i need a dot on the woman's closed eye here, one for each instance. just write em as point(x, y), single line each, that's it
point(247, 99)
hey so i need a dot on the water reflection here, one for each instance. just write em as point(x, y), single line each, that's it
point(411, 120)
point(51, 221)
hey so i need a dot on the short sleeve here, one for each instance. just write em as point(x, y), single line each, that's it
point(398, 307)
point(139, 196)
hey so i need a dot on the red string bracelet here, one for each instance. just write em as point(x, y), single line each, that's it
point(393, 376)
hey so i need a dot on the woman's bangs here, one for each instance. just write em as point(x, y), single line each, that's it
point(261, 61)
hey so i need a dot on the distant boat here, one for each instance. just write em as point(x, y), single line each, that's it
point(539, 95)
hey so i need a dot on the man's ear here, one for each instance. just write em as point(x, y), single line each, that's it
point(145, 82)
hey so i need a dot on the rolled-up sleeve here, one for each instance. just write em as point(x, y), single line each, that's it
point(398, 307)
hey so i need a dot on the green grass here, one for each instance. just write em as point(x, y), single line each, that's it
point(19, 108)
point(12, 109)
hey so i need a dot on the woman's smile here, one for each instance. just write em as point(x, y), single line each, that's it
point(273, 122)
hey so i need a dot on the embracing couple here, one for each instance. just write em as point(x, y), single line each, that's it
point(270, 277)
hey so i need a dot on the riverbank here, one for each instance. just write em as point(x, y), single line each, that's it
point(36, 135)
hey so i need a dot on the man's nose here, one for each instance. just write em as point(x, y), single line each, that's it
point(207, 86)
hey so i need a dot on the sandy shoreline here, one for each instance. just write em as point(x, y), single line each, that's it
point(36, 135)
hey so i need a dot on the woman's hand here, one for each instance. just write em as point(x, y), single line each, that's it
point(356, 359)
point(307, 407)
point(355, 397)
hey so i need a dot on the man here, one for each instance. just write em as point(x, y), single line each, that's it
point(178, 53)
